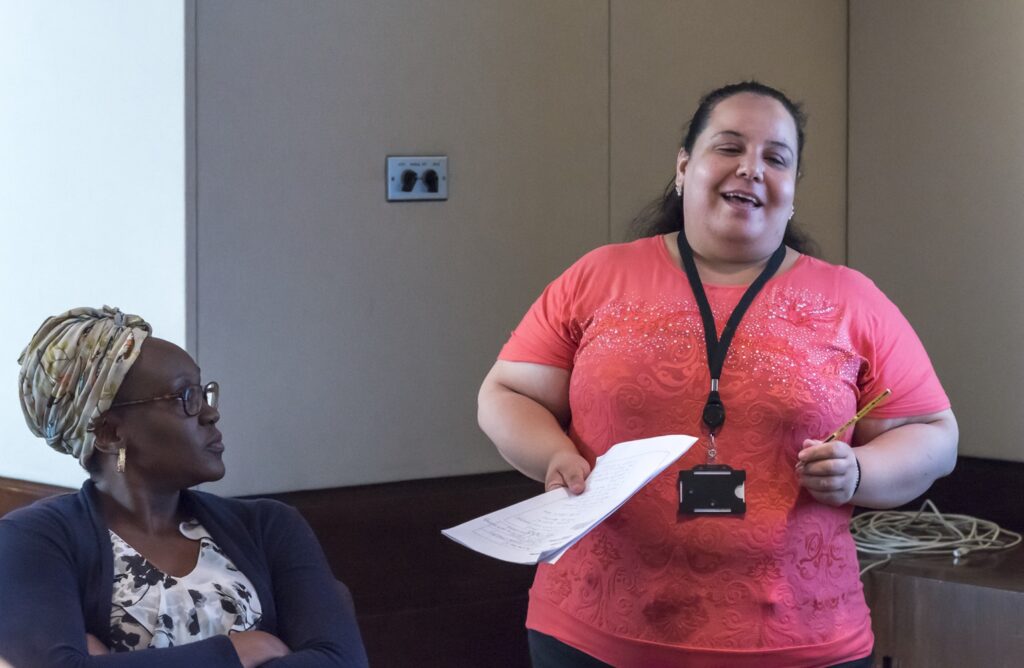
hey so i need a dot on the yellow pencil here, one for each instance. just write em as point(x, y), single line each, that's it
point(856, 418)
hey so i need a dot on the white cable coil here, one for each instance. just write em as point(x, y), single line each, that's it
point(927, 531)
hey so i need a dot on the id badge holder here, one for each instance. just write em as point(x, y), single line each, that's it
point(712, 489)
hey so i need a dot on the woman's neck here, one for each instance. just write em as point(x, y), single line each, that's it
point(144, 511)
point(724, 270)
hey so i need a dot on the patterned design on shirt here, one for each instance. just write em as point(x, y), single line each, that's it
point(816, 342)
point(153, 609)
point(721, 582)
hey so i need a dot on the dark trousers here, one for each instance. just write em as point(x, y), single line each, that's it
point(549, 652)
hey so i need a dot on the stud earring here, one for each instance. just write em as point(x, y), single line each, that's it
point(121, 456)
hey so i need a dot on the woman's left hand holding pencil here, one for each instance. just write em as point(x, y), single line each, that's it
point(828, 471)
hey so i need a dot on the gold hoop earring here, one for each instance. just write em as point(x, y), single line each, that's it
point(121, 456)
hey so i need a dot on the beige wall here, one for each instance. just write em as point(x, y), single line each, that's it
point(665, 54)
point(936, 196)
point(349, 334)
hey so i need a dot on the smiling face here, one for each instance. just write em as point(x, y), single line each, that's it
point(739, 181)
point(166, 449)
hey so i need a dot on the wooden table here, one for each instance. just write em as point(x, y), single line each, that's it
point(930, 612)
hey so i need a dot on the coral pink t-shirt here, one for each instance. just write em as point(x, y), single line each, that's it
point(778, 586)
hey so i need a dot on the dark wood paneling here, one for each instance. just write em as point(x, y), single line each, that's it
point(989, 489)
point(18, 493)
point(388, 536)
point(930, 611)
point(424, 600)
point(485, 633)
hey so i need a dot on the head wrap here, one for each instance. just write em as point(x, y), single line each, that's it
point(71, 371)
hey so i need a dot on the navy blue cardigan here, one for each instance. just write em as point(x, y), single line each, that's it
point(57, 571)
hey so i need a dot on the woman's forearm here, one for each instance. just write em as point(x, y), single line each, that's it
point(898, 465)
point(526, 433)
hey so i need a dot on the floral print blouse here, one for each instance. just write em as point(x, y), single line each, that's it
point(153, 609)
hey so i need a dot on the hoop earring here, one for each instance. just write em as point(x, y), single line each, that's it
point(121, 456)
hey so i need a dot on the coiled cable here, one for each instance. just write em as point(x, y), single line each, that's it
point(889, 532)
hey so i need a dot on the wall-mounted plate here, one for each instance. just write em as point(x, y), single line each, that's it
point(411, 178)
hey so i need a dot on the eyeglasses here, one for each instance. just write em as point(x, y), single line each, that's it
point(192, 398)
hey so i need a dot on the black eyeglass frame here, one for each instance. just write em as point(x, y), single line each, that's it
point(209, 391)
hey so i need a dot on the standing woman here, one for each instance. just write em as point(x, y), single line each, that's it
point(715, 324)
point(136, 569)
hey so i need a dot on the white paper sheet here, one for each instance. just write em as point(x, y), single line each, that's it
point(542, 528)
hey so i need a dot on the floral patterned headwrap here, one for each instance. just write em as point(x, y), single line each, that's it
point(71, 371)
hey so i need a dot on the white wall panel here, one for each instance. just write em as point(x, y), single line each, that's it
point(91, 182)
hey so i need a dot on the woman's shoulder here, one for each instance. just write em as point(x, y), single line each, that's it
point(866, 306)
point(637, 250)
point(252, 512)
point(56, 518)
point(257, 523)
point(842, 278)
point(605, 262)
point(241, 506)
point(50, 508)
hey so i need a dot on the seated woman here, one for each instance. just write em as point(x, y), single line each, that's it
point(136, 569)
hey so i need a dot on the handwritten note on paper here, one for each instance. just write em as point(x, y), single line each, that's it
point(543, 527)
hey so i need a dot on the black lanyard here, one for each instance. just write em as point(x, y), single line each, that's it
point(714, 410)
